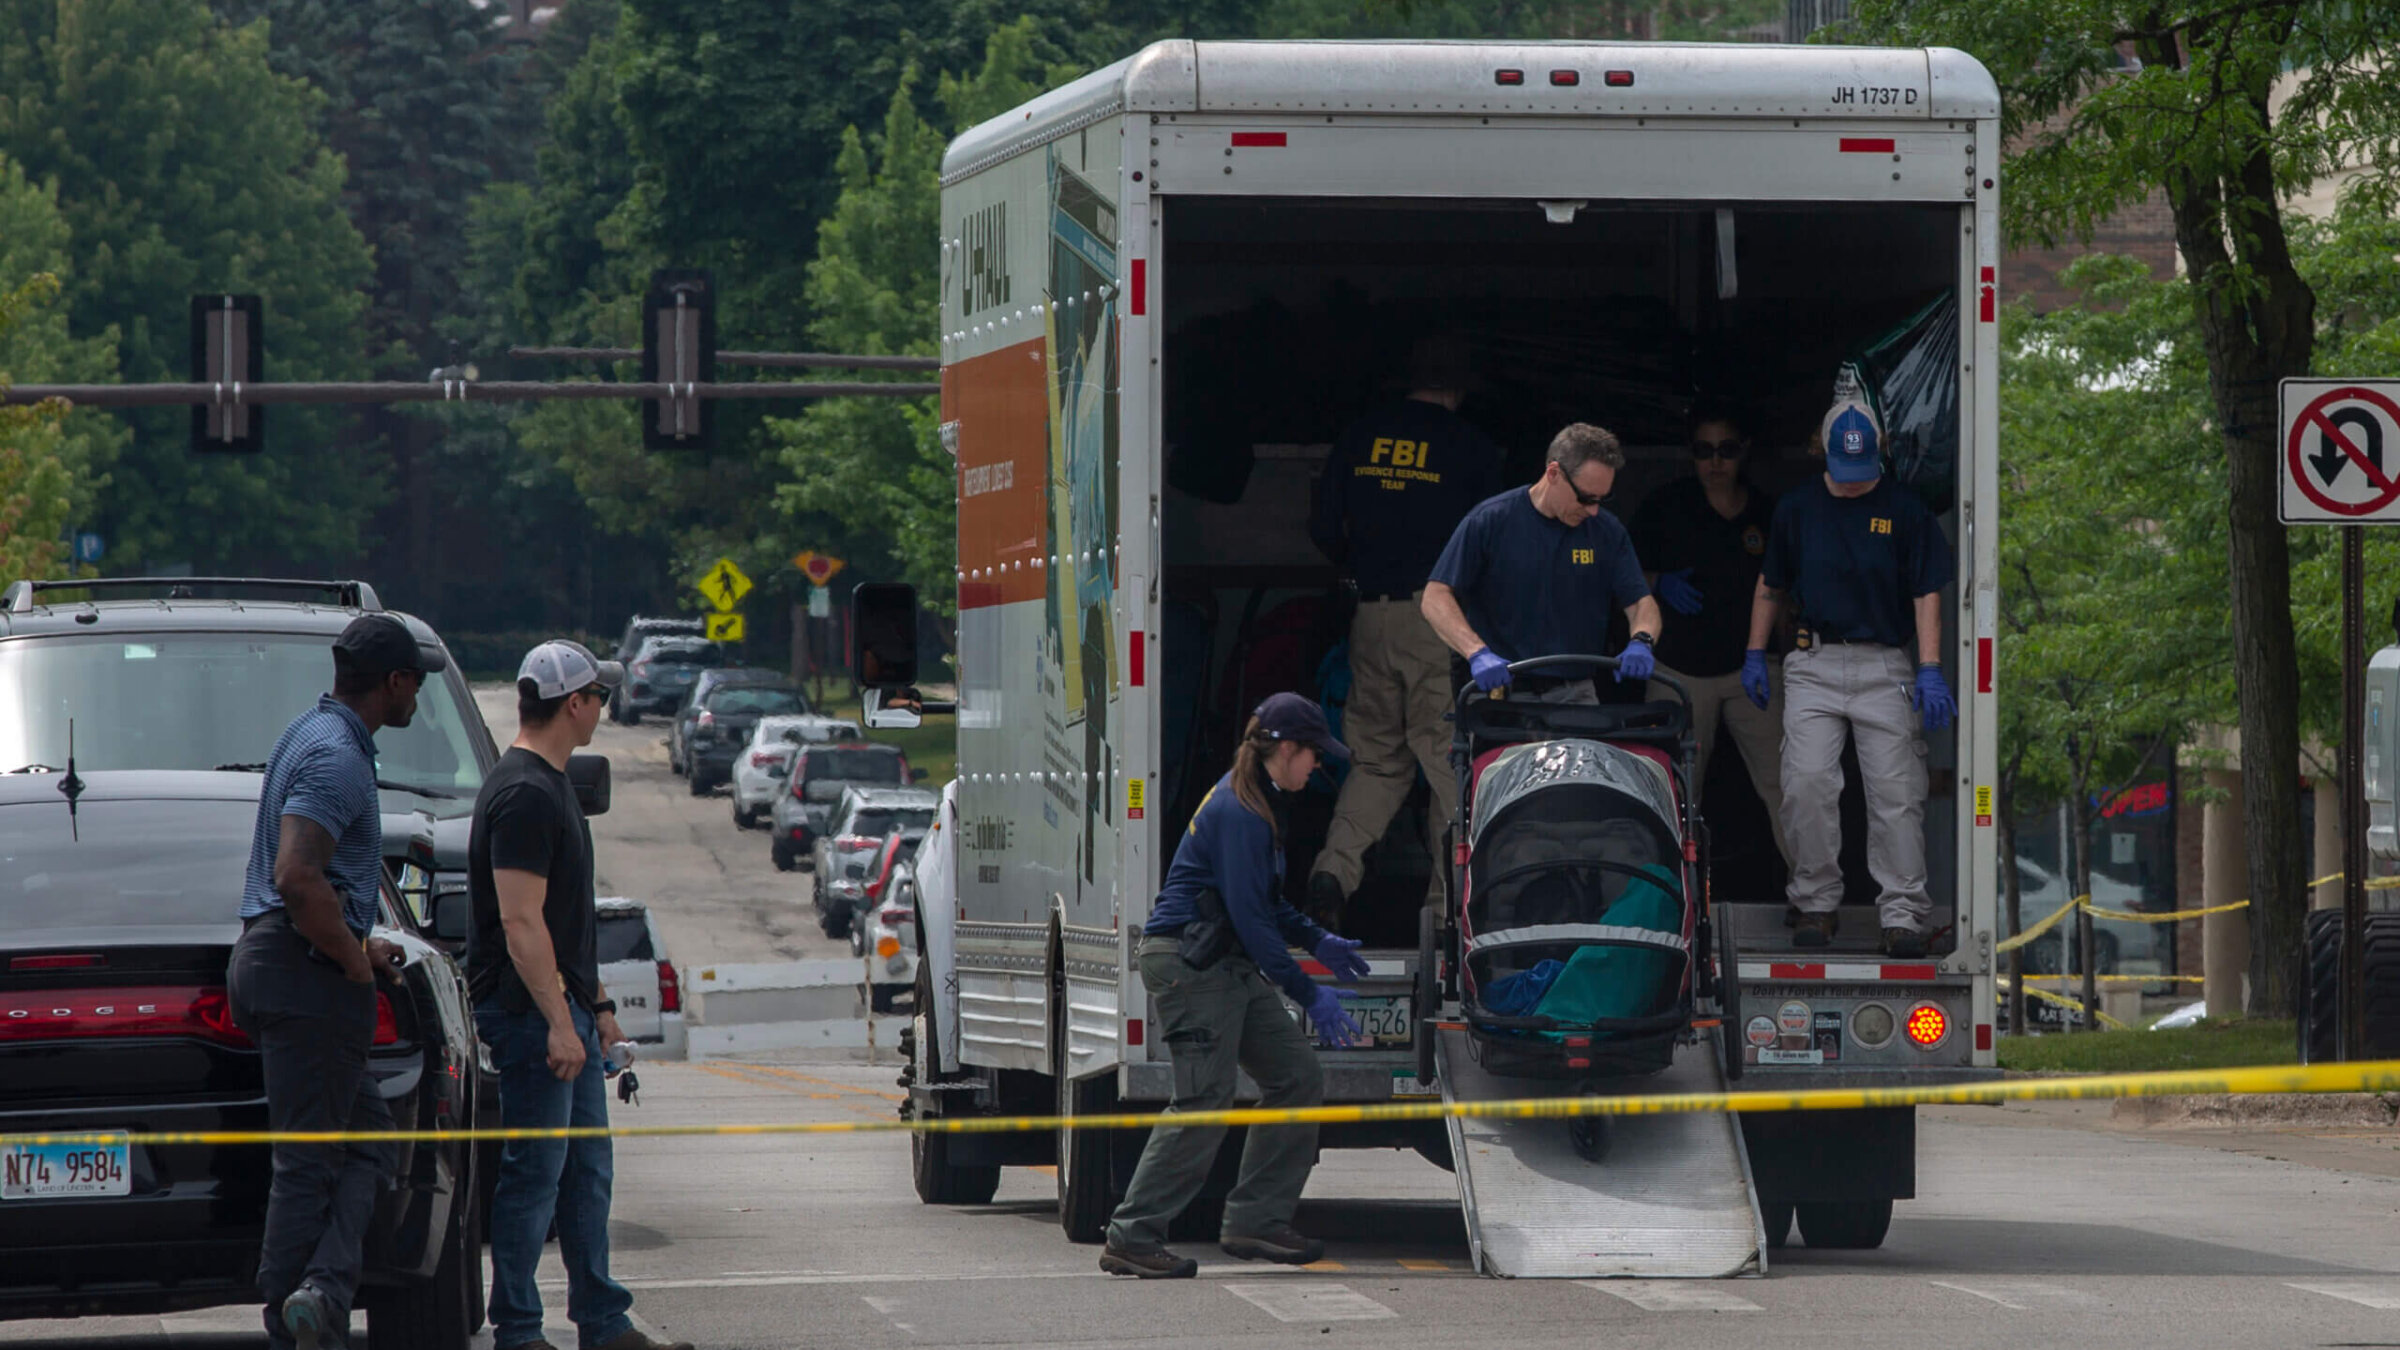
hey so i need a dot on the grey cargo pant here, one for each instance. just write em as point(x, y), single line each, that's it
point(1214, 1020)
point(1399, 693)
point(1858, 693)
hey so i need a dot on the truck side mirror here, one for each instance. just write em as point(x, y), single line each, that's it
point(453, 915)
point(589, 774)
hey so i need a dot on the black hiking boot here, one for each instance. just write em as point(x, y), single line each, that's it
point(1152, 1262)
point(1815, 930)
point(1282, 1244)
point(1905, 943)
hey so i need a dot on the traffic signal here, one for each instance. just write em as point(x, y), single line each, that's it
point(229, 344)
point(679, 347)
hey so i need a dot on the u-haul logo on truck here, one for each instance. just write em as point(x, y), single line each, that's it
point(983, 237)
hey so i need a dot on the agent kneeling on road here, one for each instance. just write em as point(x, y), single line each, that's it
point(1539, 569)
point(1703, 539)
point(1214, 955)
point(1863, 562)
point(301, 979)
point(533, 968)
point(1396, 485)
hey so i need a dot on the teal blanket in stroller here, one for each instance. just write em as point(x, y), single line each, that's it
point(1603, 983)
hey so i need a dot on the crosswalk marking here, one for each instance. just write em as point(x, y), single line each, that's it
point(1674, 1295)
point(1298, 1301)
point(2022, 1295)
point(2368, 1293)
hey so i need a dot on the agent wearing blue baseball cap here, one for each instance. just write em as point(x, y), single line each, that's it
point(1861, 562)
point(1216, 957)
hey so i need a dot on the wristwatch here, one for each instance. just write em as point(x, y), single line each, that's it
point(606, 1005)
point(1640, 636)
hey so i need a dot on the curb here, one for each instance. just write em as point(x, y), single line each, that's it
point(2268, 1110)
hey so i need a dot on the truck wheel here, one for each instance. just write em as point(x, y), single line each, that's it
point(1429, 989)
point(441, 1313)
point(1085, 1195)
point(2318, 991)
point(937, 1181)
point(1776, 1217)
point(1844, 1225)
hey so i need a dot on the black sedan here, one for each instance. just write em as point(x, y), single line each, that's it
point(716, 720)
point(118, 897)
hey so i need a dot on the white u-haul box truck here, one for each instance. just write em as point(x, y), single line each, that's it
point(1165, 287)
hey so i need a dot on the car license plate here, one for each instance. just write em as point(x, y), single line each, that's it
point(1385, 1020)
point(1406, 1084)
point(49, 1171)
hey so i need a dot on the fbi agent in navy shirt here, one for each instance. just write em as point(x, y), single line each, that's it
point(1396, 485)
point(1862, 564)
point(1537, 571)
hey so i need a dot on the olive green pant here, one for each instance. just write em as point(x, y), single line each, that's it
point(1212, 1021)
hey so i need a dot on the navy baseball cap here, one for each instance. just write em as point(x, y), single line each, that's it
point(1853, 442)
point(379, 644)
point(1289, 717)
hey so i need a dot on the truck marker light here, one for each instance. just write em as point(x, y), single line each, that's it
point(1618, 79)
point(1869, 145)
point(1133, 1031)
point(1260, 140)
point(1509, 77)
point(1927, 1026)
point(1140, 284)
point(1983, 1035)
point(1565, 79)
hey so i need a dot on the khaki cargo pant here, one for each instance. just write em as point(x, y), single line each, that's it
point(1399, 693)
point(1858, 693)
point(1757, 734)
point(1215, 1021)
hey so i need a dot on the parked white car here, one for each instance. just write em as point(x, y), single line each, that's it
point(636, 972)
point(761, 768)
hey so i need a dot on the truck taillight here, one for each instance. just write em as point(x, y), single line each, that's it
point(1927, 1026)
point(670, 988)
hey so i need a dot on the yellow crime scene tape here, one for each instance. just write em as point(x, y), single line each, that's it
point(2084, 903)
point(2377, 1076)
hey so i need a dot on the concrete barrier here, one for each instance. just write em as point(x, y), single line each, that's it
point(785, 1005)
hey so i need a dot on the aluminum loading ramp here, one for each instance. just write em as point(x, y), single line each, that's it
point(1670, 1197)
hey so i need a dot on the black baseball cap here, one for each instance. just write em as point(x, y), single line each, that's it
point(1289, 717)
point(379, 644)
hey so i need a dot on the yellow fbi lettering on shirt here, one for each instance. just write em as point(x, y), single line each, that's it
point(1397, 461)
point(1879, 525)
point(1582, 557)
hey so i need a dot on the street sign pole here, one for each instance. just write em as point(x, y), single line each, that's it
point(2353, 1031)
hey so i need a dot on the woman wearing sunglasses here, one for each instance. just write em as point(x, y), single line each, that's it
point(1701, 541)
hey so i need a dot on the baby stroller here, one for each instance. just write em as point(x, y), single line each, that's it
point(1576, 939)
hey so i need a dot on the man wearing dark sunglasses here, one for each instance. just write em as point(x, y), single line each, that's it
point(1701, 540)
point(1539, 570)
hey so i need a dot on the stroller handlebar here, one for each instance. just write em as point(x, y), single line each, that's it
point(1536, 664)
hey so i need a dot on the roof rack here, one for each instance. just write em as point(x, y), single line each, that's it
point(25, 595)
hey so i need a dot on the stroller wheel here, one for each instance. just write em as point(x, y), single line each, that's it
point(1590, 1137)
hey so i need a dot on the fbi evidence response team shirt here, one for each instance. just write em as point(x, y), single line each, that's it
point(1533, 587)
point(1854, 566)
point(1678, 529)
point(1395, 485)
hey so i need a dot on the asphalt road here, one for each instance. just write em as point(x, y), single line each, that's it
point(2036, 1226)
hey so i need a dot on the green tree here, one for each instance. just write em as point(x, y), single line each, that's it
point(182, 164)
point(2197, 115)
point(50, 460)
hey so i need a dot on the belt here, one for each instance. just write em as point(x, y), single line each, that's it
point(1811, 636)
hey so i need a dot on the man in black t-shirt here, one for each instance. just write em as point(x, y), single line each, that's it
point(1396, 484)
point(533, 969)
point(1701, 540)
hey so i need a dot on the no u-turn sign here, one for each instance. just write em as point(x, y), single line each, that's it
point(2341, 451)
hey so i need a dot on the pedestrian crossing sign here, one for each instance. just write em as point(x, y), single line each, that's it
point(725, 628)
point(725, 585)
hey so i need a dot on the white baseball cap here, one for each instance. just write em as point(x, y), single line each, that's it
point(559, 667)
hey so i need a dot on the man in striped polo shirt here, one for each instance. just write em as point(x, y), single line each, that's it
point(302, 976)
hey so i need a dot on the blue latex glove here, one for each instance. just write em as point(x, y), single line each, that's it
point(1932, 698)
point(1754, 677)
point(1340, 955)
point(1677, 590)
point(1334, 1026)
point(1635, 662)
point(1491, 672)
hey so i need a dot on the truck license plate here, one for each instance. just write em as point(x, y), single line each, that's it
point(1385, 1020)
point(49, 1171)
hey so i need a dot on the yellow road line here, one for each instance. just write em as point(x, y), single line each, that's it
point(1408, 1264)
point(738, 1074)
point(797, 1076)
point(2378, 1076)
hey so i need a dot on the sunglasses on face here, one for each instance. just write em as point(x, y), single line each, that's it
point(1582, 498)
point(1703, 450)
